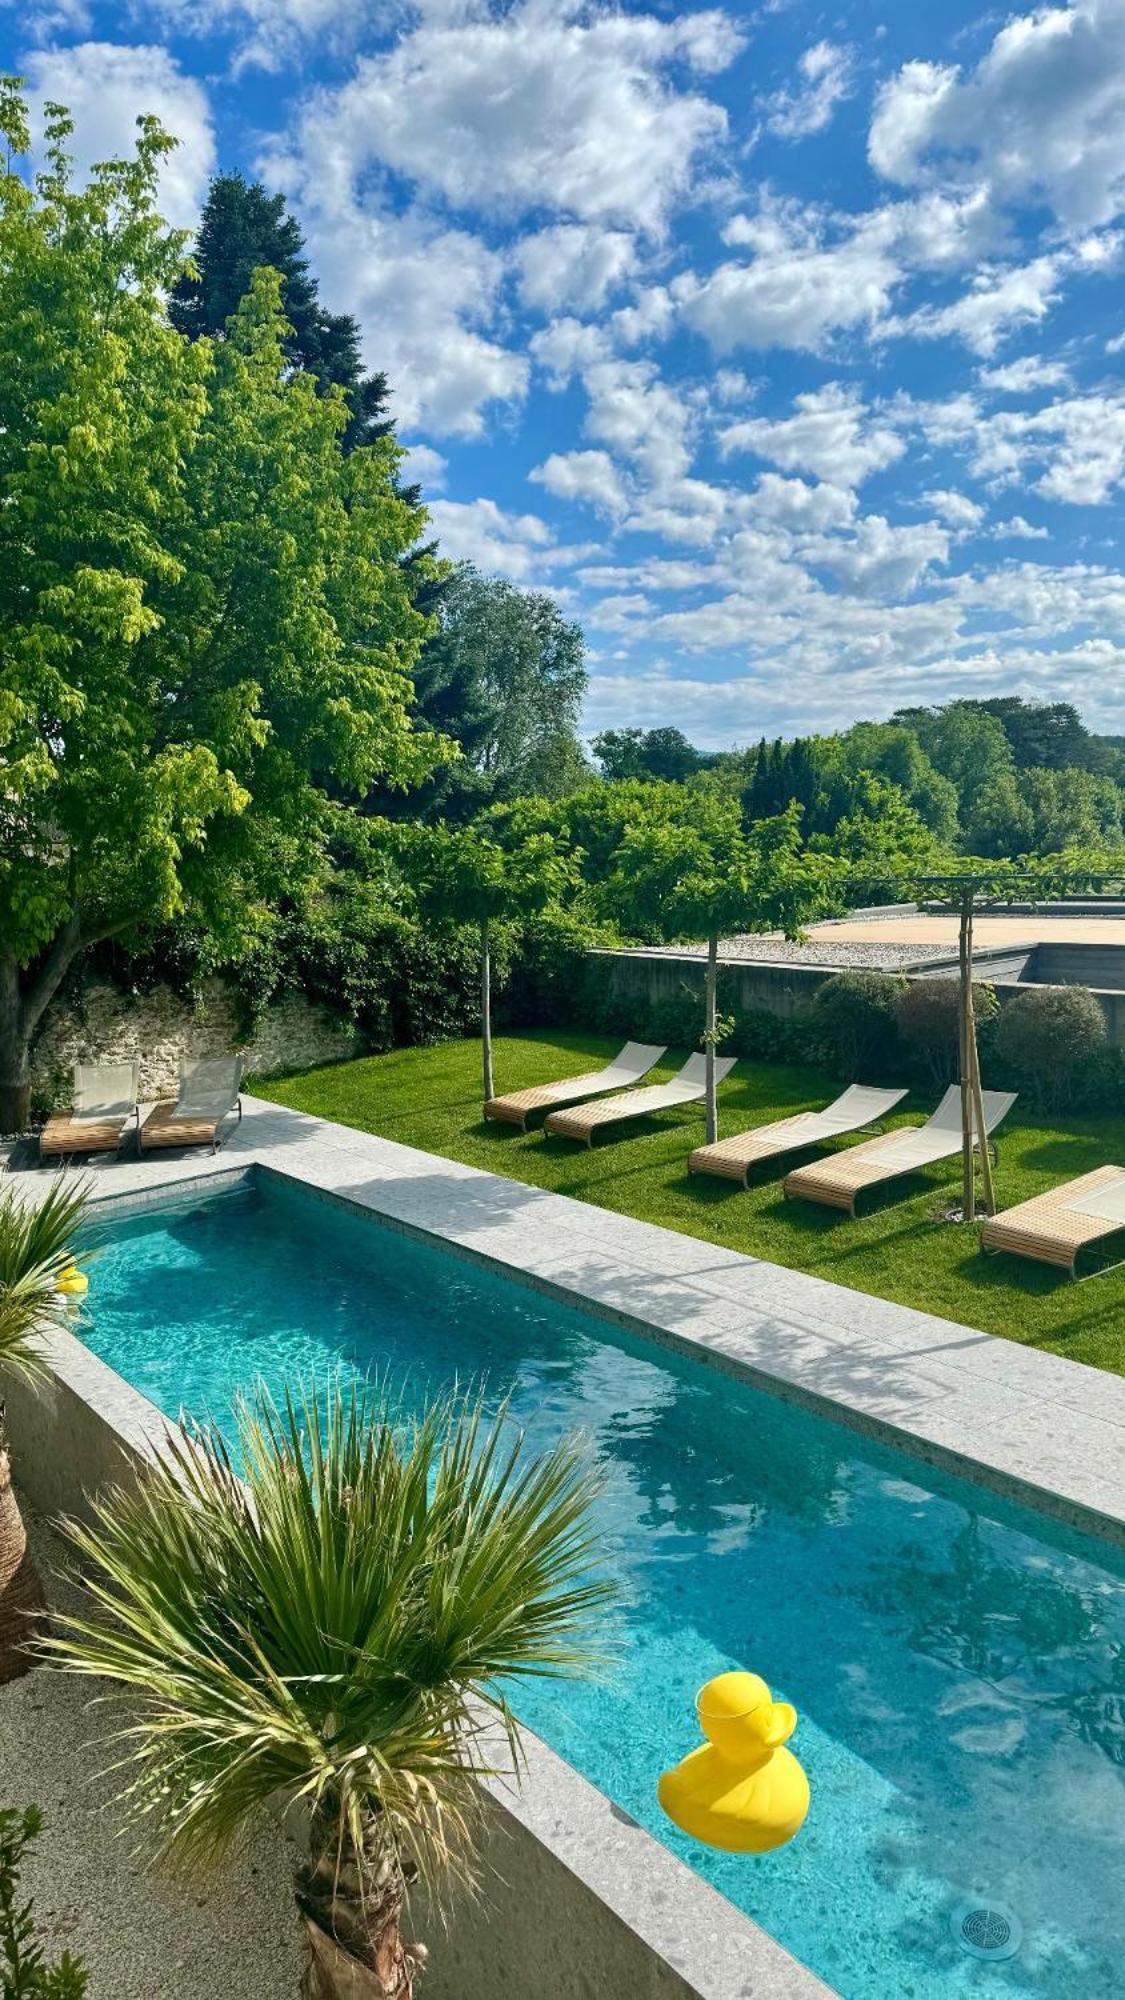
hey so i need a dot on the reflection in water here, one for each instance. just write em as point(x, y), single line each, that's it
point(957, 1664)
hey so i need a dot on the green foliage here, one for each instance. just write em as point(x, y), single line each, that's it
point(241, 229)
point(1047, 1036)
point(665, 754)
point(856, 1011)
point(24, 1973)
point(686, 869)
point(967, 745)
point(503, 676)
point(204, 614)
point(928, 1018)
point(35, 1247)
point(334, 1621)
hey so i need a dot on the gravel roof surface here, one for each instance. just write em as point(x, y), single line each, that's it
point(776, 950)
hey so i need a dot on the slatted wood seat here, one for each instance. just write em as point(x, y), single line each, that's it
point(835, 1182)
point(208, 1096)
point(1054, 1228)
point(688, 1087)
point(515, 1107)
point(731, 1159)
point(104, 1099)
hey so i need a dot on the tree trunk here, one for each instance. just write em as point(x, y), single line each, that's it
point(353, 1929)
point(965, 1017)
point(712, 982)
point(22, 1603)
point(15, 1043)
point(486, 1009)
point(974, 1077)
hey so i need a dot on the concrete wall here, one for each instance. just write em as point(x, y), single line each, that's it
point(577, 1901)
point(110, 1026)
point(774, 989)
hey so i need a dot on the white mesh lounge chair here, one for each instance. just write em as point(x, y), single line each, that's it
point(105, 1099)
point(635, 1061)
point(837, 1181)
point(686, 1088)
point(1054, 1227)
point(208, 1095)
point(731, 1159)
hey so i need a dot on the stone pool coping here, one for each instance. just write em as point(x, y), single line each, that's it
point(1043, 1429)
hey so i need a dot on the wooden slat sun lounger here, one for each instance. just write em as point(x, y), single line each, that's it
point(837, 1181)
point(208, 1095)
point(688, 1087)
point(104, 1100)
point(1055, 1227)
point(635, 1060)
point(731, 1159)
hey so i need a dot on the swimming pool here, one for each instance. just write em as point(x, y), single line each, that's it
point(958, 1662)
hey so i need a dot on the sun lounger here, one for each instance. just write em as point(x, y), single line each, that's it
point(208, 1095)
point(635, 1060)
point(1055, 1226)
point(837, 1181)
point(105, 1099)
point(686, 1088)
point(731, 1159)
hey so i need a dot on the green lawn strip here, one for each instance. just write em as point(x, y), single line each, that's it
point(898, 1248)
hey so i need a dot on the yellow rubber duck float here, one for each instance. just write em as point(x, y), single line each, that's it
point(73, 1282)
point(742, 1790)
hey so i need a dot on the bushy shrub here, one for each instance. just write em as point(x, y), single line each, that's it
point(24, 1972)
point(1047, 1036)
point(855, 1012)
point(928, 1018)
point(546, 982)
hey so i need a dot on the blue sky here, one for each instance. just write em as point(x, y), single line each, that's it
point(782, 342)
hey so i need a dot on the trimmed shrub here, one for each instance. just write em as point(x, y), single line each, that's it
point(927, 1015)
point(1048, 1037)
point(855, 1012)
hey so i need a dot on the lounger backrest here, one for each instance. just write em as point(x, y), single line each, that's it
point(694, 1071)
point(858, 1105)
point(947, 1118)
point(638, 1058)
point(110, 1088)
point(209, 1086)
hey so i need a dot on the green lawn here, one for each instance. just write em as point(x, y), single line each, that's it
point(898, 1249)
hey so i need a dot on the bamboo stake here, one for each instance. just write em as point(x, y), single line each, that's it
point(712, 1121)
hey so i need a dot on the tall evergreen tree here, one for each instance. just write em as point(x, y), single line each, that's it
point(241, 228)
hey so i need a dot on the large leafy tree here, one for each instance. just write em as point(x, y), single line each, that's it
point(242, 229)
point(503, 675)
point(647, 753)
point(204, 617)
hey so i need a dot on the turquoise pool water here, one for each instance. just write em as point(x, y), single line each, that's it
point(958, 1663)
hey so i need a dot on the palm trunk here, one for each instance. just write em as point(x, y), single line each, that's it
point(22, 1602)
point(486, 1009)
point(712, 1109)
point(353, 1927)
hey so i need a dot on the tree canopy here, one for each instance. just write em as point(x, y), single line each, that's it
point(204, 613)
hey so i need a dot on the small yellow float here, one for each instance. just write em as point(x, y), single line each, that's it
point(72, 1281)
point(742, 1790)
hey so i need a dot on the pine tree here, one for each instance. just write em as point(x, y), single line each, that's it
point(241, 228)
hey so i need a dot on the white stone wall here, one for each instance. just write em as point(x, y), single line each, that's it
point(160, 1027)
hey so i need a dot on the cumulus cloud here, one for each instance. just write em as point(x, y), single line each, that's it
point(573, 264)
point(583, 475)
point(269, 33)
point(425, 466)
point(540, 107)
point(106, 88)
point(799, 285)
point(799, 505)
point(1040, 116)
point(830, 434)
point(521, 547)
point(997, 302)
point(1019, 378)
point(826, 74)
point(955, 509)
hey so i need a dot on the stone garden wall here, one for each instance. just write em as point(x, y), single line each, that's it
point(106, 1025)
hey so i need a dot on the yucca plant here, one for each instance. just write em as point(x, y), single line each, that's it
point(332, 1630)
point(34, 1250)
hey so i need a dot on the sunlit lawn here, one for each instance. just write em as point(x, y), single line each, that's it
point(898, 1248)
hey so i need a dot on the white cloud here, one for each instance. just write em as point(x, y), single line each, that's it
point(634, 411)
point(269, 32)
point(798, 288)
point(583, 475)
point(826, 77)
point(519, 546)
point(425, 466)
point(540, 107)
point(573, 264)
point(1016, 529)
point(829, 434)
point(882, 560)
point(955, 509)
point(107, 87)
point(794, 504)
point(996, 303)
point(1019, 378)
point(567, 346)
point(1076, 445)
point(1041, 115)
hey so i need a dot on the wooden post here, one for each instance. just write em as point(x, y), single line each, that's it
point(965, 1022)
point(486, 1009)
point(712, 1115)
point(974, 1078)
